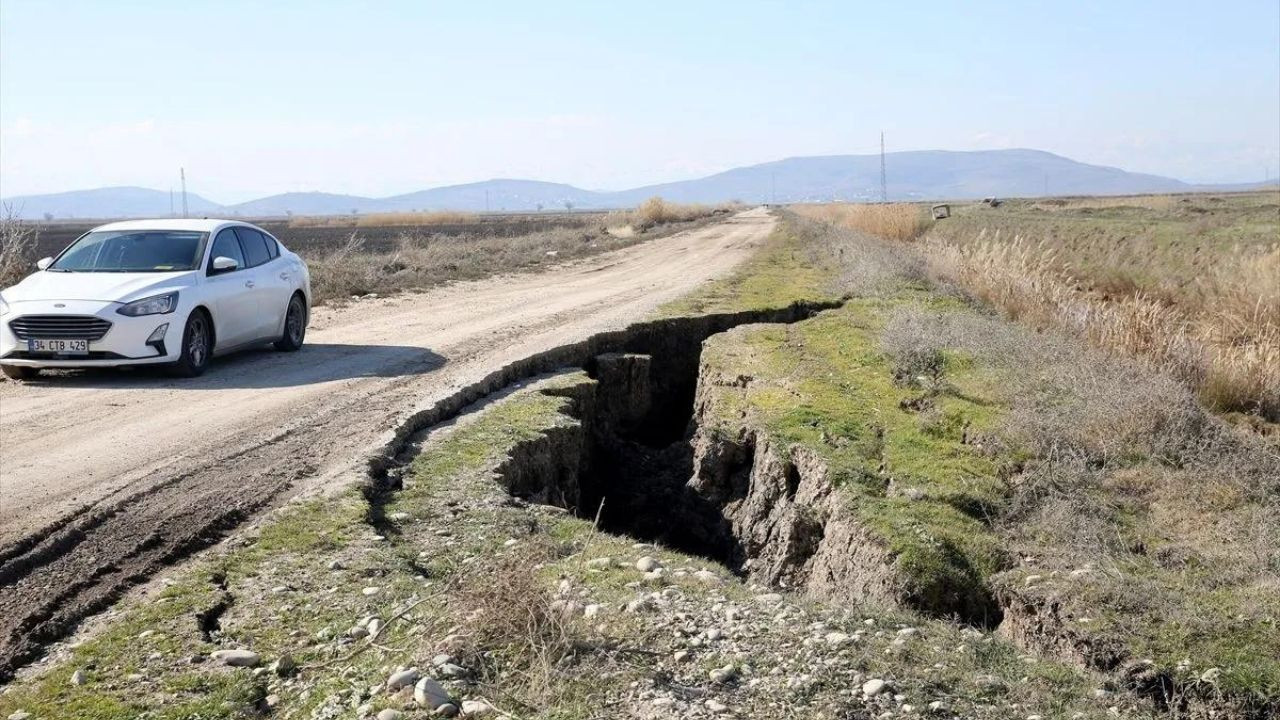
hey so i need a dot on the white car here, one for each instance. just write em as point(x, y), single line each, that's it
point(142, 292)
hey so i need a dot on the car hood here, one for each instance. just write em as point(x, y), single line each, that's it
point(100, 286)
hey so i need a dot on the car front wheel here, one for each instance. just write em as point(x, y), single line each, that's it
point(197, 346)
point(295, 325)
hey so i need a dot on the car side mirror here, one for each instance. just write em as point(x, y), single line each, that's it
point(44, 263)
point(223, 264)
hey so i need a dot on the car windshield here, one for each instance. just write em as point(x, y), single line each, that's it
point(133, 251)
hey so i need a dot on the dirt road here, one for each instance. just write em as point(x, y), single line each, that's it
point(106, 477)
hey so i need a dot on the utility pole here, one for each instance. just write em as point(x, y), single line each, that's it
point(486, 201)
point(1046, 184)
point(170, 201)
point(773, 188)
point(182, 173)
point(884, 182)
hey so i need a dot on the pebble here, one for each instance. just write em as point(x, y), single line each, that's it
point(20, 715)
point(452, 671)
point(371, 591)
point(404, 678)
point(707, 576)
point(478, 708)
point(79, 678)
point(937, 706)
point(399, 516)
point(836, 638)
point(236, 658)
point(284, 665)
point(600, 563)
point(723, 674)
point(335, 565)
point(769, 598)
point(592, 610)
point(389, 714)
point(431, 694)
point(447, 710)
point(716, 706)
point(874, 687)
point(647, 564)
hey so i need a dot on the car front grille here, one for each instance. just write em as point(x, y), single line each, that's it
point(73, 327)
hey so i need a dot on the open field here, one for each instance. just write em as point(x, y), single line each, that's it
point(1189, 283)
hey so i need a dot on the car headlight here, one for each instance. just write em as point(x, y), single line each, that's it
point(155, 305)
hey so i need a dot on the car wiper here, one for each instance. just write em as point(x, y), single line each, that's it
point(54, 269)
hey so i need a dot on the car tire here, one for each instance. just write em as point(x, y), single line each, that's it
point(197, 346)
point(295, 325)
point(19, 372)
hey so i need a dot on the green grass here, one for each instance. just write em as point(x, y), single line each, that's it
point(781, 273)
point(824, 384)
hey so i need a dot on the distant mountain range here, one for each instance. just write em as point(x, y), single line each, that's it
point(915, 175)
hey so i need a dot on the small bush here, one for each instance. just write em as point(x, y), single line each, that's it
point(893, 221)
point(17, 249)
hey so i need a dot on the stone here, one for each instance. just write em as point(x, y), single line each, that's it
point(716, 706)
point(404, 678)
point(430, 694)
point(20, 715)
point(357, 632)
point(335, 565)
point(724, 674)
point(236, 658)
point(79, 678)
point(873, 687)
point(600, 563)
point(592, 610)
point(937, 706)
point(399, 516)
point(389, 714)
point(447, 710)
point(441, 659)
point(647, 564)
point(370, 591)
point(836, 638)
point(1210, 675)
point(477, 708)
point(707, 577)
point(284, 666)
point(452, 671)
point(769, 598)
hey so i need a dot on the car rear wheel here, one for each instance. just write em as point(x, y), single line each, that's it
point(295, 325)
point(197, 346)
point(19, 372)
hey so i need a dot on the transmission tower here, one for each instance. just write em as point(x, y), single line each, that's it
point(884, 182)
point(182, 173)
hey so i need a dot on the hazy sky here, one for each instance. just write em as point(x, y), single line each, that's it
point(378, 98)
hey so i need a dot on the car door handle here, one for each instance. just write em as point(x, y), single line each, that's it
point(248, 283)
point(284, 276)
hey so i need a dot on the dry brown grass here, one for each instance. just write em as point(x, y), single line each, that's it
point(517, 626)
point(895, 221)
point(400, 219)
point(1228, 347)
point(423, 260)
point(655, 211)
point(17, 248)
point(1149, 202)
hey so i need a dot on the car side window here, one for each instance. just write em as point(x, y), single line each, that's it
point(273, 246)
point(255, 246)
point(226, 245)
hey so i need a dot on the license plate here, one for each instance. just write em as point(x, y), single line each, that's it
point(59, 347)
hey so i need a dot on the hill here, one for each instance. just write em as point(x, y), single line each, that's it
point(912, 175)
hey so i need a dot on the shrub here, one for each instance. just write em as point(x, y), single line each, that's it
point(17, 248)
